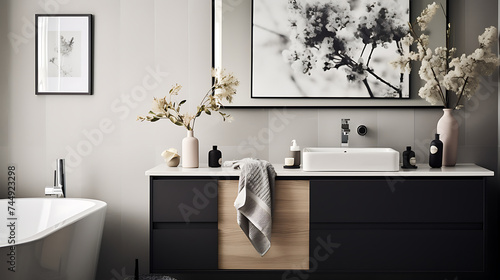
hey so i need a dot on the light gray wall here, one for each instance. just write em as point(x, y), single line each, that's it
point(134, 38)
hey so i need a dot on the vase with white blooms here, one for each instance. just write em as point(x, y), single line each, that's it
point(223, 89)
point(445, 73)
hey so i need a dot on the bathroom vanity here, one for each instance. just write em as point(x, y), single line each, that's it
point(351, 225)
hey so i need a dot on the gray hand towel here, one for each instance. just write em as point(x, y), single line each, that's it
point(254, 201)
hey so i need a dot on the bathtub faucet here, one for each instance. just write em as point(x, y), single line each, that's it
point(59, 188)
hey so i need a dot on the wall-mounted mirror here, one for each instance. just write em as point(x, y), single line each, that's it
point(252, 37)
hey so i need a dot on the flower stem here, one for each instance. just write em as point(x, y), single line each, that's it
point(208, 92)
point(462, 92)
point(349, 62)
point(441, 94)
point(398, 90)
point(363, 51)
point(447, 59)
point(370, 57)
point(365, 82)
point(203, 102)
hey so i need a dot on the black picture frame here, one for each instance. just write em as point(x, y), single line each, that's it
point(231, 49)
point(63, 54)
point(272, 77)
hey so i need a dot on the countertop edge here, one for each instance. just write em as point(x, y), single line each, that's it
point(423, 170)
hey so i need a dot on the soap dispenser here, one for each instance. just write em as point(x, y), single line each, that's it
point(409, 159)
point(436, 153)
point(214, 157)
point(295, 154)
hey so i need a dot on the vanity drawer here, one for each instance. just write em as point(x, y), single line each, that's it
point(391, 250)
point(193, 247)
point(186, 201)
point(397, 200)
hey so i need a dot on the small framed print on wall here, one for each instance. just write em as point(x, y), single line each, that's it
point(63, 54)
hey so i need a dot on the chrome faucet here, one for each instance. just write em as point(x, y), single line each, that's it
point(344, 125)
point(59, 188)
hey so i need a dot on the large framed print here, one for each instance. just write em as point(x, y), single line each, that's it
point(345, 63)
point(330, 48)
point(63, 54)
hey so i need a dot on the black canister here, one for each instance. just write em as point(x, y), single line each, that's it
point(214, 157)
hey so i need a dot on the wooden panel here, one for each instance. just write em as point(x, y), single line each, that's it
point(184, 200)
point(410, 201)
point(290, 233)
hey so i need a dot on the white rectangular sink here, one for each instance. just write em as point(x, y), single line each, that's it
point(350, 159)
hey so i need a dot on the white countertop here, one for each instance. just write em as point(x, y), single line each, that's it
point(423, 170)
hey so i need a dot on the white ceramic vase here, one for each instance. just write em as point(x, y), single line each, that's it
point(190, 152)
point(447, 128)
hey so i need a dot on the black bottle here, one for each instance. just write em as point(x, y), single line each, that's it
point(436, 153)
point(409, 159)
point(214, 157)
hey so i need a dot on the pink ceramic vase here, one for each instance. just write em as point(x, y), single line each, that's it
point(447, 128)
point(190, 153)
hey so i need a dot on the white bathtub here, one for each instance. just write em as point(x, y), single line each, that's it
point(56, 238)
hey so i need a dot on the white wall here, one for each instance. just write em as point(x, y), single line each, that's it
point(174, 36)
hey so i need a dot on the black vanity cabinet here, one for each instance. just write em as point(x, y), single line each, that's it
point(423, 224)
point(183, 222)
point(380, 225)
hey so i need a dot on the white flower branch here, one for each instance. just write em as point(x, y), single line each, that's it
point(442, 71)
point(223, 89)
